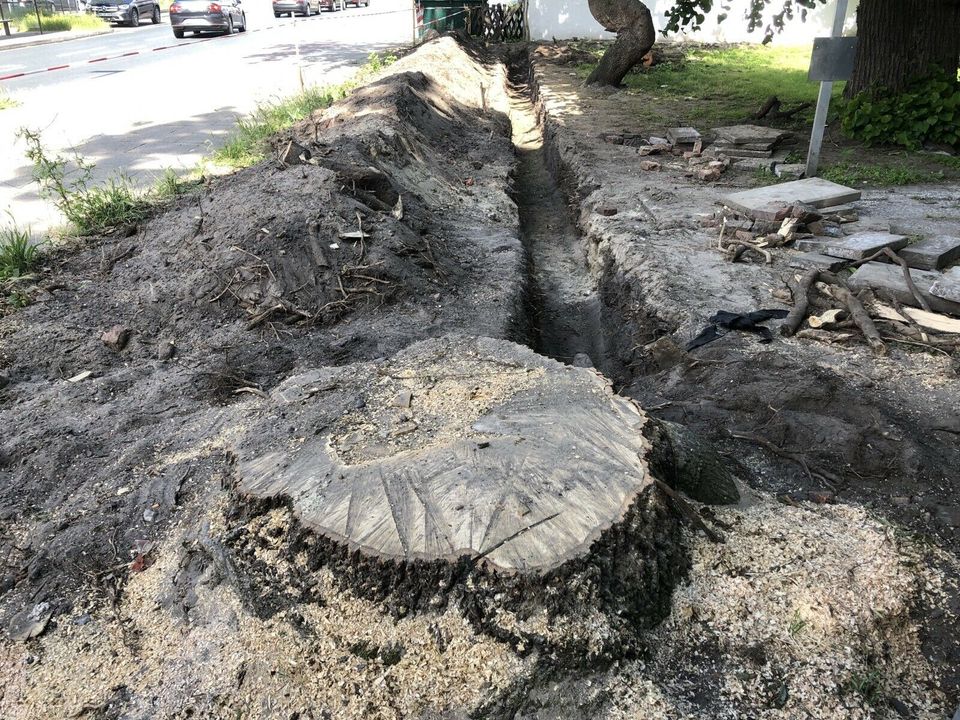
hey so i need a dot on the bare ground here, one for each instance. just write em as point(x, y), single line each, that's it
point(156, 591)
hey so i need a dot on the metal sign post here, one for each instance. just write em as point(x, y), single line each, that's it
point(823, 100)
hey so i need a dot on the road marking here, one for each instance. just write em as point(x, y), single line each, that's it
point(194, 42)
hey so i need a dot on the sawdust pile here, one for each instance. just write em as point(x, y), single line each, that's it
point(816, 600)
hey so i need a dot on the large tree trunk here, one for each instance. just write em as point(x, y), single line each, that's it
point(902, 39)
point(632, 22)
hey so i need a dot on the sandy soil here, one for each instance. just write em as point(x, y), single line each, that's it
point(153, 590)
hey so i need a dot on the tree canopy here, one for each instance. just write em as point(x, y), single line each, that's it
point(774, 14)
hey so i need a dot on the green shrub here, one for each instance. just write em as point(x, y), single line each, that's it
point(59, 23)
point(928, 111)
point(91, 208)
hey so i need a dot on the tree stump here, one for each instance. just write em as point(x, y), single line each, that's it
point(472, 467)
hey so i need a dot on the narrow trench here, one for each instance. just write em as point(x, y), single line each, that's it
point(565, 304)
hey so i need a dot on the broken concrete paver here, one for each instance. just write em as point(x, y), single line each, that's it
point(933, 253)
point(864, 244)
point(888, 278)
point(683, 135)
point(947, 286)
point(766, 202)
point(750, 134)
point(817, 260)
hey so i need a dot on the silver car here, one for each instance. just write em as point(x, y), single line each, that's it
point(203, 15)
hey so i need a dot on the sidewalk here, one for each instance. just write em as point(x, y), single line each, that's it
point(29, 39)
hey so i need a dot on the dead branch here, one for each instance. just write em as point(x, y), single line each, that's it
point(742, 247)
point(801, 301)
point(862, 319)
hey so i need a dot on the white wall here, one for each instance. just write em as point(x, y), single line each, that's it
point(564, 19)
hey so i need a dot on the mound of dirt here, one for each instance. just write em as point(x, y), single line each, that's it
point(233, 289)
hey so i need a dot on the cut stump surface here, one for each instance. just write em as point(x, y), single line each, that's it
point(502, 455)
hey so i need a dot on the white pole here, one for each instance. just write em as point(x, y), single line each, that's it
point(823, 100)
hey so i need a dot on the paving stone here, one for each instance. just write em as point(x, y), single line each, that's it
point(923, 227)
point(735, 151)
point(947, 286)
point(864, 244)
point(766, 202)
point(811, 259)
point(750, 134)
point(814, 245)
point(683, 135)
point(888, 278)
point(933, 253)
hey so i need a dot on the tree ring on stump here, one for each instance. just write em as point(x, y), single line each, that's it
point(469, 471)
point(460, 447)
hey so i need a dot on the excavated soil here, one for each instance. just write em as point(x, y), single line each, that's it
point(138, 583)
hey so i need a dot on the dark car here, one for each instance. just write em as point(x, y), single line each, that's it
point(125, 13)
point(296, 7)
point(202, 15)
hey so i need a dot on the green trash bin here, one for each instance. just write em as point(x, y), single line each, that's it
point(446, 15)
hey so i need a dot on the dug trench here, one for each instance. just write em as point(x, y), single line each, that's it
point(143, 579)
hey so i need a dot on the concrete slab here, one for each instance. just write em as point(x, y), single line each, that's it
point(948, 286)
point(808, 260)
point(683, 135)
point(815, 244)
point(887, 278)
point(922, 227)
point(738, 151)
point(766, 202)
point(933, 253)
point(864, 244)
point(747, 134)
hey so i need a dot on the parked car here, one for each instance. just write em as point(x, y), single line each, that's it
point(123, 12)
point(357, 3)
point(333, 5)
point(296, 7)
point(202, 15)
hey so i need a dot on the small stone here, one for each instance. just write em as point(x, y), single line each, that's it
point(82, 619)
point(682, 135)
point(166, 350)
point(900, 500)
point(403, 399)
point(821, 497)
point(582, 360)
point(359, 403)
point(649, 165)
point(294, 154)
point(30, 623)
point(789, 171)
point(708, 174)
point(403, 429)
point(149, 515)
point(116, 338)
point(607, 210)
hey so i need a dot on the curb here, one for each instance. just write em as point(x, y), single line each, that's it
point(47, 40)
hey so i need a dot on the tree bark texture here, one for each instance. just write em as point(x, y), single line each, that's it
point(903, 39)
point(632, 22)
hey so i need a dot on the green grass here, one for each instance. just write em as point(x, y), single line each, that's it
point(19, 255)
point(60, 23)
point(248, 144)
point(719, 85)
point(857, 174)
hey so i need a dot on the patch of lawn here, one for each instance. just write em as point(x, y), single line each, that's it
point(857, 175)
point(708, 85)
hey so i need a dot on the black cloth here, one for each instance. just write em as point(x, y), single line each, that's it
point(748, 322)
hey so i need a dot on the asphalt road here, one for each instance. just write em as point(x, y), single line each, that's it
point(138, 101)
